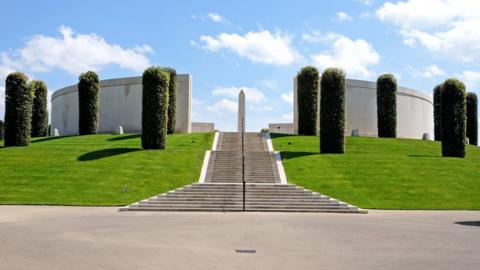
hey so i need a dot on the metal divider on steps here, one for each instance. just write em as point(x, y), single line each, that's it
point(243, 162)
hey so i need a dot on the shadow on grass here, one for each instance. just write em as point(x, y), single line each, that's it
point(104, 153)
point(45, 139)
point(469, 223)
point(291, 155)
point(279, 135)
point(128, 137)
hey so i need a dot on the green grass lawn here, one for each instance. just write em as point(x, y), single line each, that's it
point(98, 169)
point(384, 173)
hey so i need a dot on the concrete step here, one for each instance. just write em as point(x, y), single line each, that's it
point(229, 197)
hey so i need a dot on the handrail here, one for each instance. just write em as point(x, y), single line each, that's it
point(243, 162)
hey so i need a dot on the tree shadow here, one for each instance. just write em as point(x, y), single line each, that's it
point(104, 153)
point(45, 139)
point(291, 154)
point(127, 137)
point(469, 223)
point(279, 135)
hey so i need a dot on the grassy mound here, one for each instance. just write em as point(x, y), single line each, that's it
point(98, 169)
point(384, 173)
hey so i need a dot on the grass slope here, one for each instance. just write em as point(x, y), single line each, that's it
point(98, 169)
point(384, 173)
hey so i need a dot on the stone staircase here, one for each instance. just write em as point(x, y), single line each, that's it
point(228, 197)
point(225, 165)
point(223, 188)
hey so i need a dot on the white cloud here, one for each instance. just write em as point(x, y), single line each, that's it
point(288, 97)
point(365, 2)
point(4, 69)
point(252, 94)
point(419, 13)
point(269, 84)
point(317, 37)
point(265, 108)
point(197, 102)
point(353, 56)
point(471, 79)
point(143, 49)
point(223, 106)
point(343, 16)
point(215, 17)
point(431, 71)
point(287, 117)
point(444, 27)
point(74, 53)
point(258, 47)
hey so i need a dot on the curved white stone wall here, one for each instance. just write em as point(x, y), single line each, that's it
point(120, 105)
point(414, 110)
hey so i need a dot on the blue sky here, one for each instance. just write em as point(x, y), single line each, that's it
point(257, 45)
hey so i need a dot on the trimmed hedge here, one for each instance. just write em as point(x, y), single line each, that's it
point(172, 96)
point(307, 100)
point(437, 112)
point(39, 109)
point(387, 106)
point(154, 108)
point(88, 88)
point(2, 130)
point(472, 118)
point(18, 110)
point(332, 111)
point(454, 116)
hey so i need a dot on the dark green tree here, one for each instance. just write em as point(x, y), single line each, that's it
point(454, 117)
point(332, 111)
point(437, 112)
point(88, 90)
point(307, 100)
point(472, 118)
point(154, 108)
point(387, 106)
point(18, 110)
point(2, 130)
point(172, 96)
point(39, 109)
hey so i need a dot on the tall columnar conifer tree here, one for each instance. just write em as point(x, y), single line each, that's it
point(39, 109)
point(307, 100)
point(154, 108)
point(387, 106)
point(2, 130)
point(454, 116)
point(437, 112)
point(472, 118)
point(18, 110)
point(88, 90)
point(172, 96)
point(332, 111)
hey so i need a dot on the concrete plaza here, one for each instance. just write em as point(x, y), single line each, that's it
point(43, 237)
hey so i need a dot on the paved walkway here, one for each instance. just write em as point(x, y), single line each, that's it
point(40, 237)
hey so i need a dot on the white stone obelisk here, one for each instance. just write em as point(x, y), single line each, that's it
point(241, 111)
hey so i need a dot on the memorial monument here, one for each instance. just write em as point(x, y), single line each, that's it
point(241, 111)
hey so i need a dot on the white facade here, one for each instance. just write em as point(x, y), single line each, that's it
point(120, 105)
point(414, 110)
point(281, 128)
point(203, 127)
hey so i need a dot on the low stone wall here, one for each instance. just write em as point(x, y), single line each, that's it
point(120, 105)
point(414, 110)
point(198, 127)
point(281, 128)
